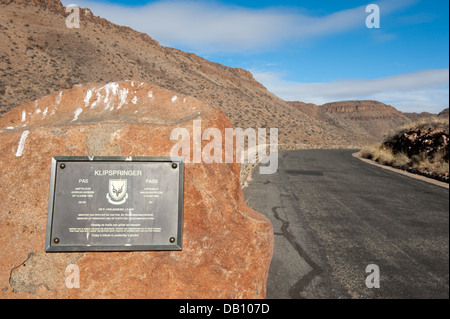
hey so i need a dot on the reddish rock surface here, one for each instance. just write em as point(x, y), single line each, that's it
point(227, 247)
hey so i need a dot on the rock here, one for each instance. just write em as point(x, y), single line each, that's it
point(429, 140)
point(227, 247)
point(381, 110)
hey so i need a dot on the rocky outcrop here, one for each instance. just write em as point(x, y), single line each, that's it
point(362, 108)
point(227, 246)
point(429, 140)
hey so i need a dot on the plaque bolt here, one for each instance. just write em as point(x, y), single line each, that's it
point(56, 240)
point(62, 166)
point(174, 165)
point(172, 239)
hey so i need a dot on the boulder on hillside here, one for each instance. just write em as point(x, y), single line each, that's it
point(227, 246)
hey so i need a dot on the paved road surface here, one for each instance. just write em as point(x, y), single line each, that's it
point(333, 215)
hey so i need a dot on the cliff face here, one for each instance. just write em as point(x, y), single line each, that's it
point(360, 106)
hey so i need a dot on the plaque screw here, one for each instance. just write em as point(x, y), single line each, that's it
point(62, 166)
point(56, 240)
point(172, 239)
point(174, 165)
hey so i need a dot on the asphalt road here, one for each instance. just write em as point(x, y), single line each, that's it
point(333, 215)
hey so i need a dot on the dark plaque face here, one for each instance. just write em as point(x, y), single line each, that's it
point(115, 204)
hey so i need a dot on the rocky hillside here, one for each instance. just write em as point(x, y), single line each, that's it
point(415, 116)
point(39, 55)
point(371, 119)
point(444, 114)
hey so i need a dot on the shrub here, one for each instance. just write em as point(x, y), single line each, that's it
point(421, 146)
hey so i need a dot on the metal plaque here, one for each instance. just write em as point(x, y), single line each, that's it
point(115, 204)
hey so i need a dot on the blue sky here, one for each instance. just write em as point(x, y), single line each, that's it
point(311, 51)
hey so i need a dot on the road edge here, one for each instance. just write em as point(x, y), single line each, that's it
point(402, 172)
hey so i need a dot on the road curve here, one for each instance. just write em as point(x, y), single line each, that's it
point(333, 215)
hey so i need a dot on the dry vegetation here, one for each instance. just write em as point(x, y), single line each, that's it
point(420, 147)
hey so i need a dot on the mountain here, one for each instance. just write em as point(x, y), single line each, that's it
point(444, 114)
point(414, 115)
point(40, 55)
point(371, 119)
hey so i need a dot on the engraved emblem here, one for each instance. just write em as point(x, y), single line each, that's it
point(117, 194)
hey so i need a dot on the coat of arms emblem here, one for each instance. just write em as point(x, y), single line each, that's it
point(117, 191)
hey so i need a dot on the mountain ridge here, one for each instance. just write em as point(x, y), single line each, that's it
point(41, 56)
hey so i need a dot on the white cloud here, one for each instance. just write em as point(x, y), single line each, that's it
point(425, 90)
point(214, 27)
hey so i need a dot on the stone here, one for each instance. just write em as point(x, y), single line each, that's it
point(430, 140)
point(227, 246)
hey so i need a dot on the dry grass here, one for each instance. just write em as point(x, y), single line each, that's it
point(438, 165)
point(382, 155)
point(385, 156)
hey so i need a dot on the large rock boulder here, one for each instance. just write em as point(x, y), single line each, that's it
point(227, 246)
